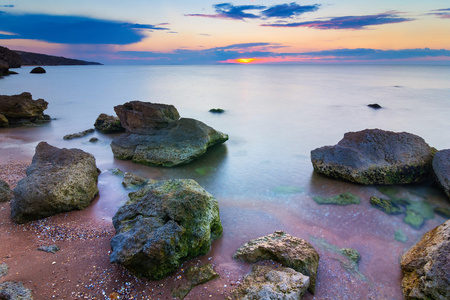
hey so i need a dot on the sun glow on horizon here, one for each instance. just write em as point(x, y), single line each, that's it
point(246, 60)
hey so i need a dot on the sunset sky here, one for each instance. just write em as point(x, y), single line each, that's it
point(215, 32)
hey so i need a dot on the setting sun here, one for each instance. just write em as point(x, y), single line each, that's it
point(246, 60)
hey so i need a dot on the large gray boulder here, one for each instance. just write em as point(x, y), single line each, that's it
point(162, 225)
point(5, 191)
point(58, 180)
point(266, 282)
point(441, 168)
point(143, 117)
point(156, 136)
point(375, 156)
point(22, 108)
point(426, 266)
point(288, 250)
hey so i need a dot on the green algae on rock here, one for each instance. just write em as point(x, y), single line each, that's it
point(342, 199)
point(386, 206)
point(400, 236)
point(164, 224)
point(352, 254)
point(413, 219)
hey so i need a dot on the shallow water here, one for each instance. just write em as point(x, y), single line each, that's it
point(263, 177)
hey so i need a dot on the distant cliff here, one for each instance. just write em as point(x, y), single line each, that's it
point(36, 59)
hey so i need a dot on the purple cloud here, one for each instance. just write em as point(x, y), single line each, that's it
point(443, 13)
point(288, 10)
point(347, 22)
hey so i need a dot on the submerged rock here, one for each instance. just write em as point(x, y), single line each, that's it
point(374, 105)
point(266, 282)
point(131, 180)
point(5, 191)
point(342, 199)
point(387, 206)
point(281, 247)
point(162, 225)
point(78, 134)
point(38, 70)
point(19, 109)
point(426, 266)
point(217, 110)
point(108, 124)
point(11, 290)
point(375, 156)
point(58, 180)
point(441, 168)
point(179, 142)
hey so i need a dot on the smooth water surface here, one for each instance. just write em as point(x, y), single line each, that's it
point(263, 177)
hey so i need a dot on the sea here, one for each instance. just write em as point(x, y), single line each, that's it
point(262, 176)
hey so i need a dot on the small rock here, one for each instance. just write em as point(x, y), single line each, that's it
point(4, 269)
point(131, 180)
point(50, 249)
point(217, 110)
point(281, 247)
point(375, 105)
point(352, 254)
point(38, 70)
point(93, 140)
point(265, 282)
point(5, 191)
point(201, 274)
point(108, 124)
point(413, 219)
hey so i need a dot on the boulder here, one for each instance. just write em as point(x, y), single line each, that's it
point(22, 108)
point(58, 180)
point(108, 124)
point(426, 266)
point(179, 142)
point(5, 191)
point(266, 282)
point(281, 247)
point(143, 117)
point(10, 58)
point(164, 224)
point(11, 290)
point(441, 168)
point(375, 156)
point(38, 70)
point(374, 105)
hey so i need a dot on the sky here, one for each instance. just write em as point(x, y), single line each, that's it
point(234, 32)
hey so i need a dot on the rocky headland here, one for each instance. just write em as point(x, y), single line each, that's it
point(19, 110)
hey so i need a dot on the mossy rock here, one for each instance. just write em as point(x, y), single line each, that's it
point(413, 219)
point(352, 254)
point(422, 208)
point(386, 206)
point(342, 199)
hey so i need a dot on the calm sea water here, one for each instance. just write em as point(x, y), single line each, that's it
point(262, 176)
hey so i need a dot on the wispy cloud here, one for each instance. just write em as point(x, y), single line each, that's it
point(265, 52)
point(72, 29)
point(242, 12)
point(347, 22)
point(7, 6)
point(443, 13)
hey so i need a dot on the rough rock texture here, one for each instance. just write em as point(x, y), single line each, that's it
point(194, 276)
point(131, 180)
point(78, 134)
point(5, 192)
point(426, 266)
point(179, 142)
point(108, 124)
point(10, 290)
point(375, 156)
point(266, 283)
point(4, 269)
point(143, 117)
point(38, 70)
point(281, 247)
point(441, 168)
point(164, 224)
point(20, 108)
point(58, 180)
point(10, 58)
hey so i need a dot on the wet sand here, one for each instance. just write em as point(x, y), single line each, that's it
point(81, 269)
